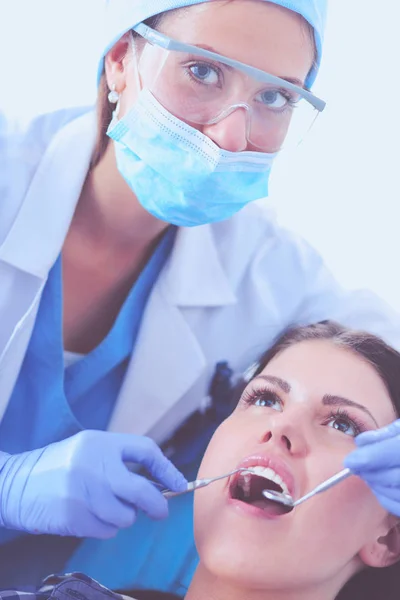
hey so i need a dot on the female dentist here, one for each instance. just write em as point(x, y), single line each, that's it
point(130, 268)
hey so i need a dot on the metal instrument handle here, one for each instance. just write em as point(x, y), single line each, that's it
point(193, 485)
point(199, 483)
point(326, 485)
point(333, 480)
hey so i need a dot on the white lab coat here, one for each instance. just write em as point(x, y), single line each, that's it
point(225, 293)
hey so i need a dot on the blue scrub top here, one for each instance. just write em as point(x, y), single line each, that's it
point(50, 403)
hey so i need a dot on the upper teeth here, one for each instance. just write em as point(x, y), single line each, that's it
point(271, 475)
point(246, 484)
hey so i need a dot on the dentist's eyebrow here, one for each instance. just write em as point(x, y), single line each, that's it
point(329, 400)
point(211, 49)
point(294, 80)
point(285, 387)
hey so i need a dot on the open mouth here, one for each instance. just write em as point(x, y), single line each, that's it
point(248, 488)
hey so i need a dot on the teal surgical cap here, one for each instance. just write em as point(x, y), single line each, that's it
point(123, 15)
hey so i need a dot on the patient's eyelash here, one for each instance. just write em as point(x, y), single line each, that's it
point(348, 424)
point(341, 414)
point(250, 397)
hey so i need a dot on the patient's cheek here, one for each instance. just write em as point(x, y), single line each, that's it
point(349, 508)
point(218, 457)
point(355, 493)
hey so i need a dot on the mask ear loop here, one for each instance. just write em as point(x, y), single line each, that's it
point(115, 113)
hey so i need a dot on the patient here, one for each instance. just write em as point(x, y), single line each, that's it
point(314, 391)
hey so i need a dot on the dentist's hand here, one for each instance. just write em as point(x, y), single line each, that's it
point(81, 486)
point(377, 462)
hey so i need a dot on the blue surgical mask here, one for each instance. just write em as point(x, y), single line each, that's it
point(178, 174)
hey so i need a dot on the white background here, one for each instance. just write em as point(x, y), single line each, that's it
point(339, 189)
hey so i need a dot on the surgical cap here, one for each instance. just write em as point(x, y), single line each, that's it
point(123, 15)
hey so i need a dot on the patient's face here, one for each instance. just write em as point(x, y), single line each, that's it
point(295, 419)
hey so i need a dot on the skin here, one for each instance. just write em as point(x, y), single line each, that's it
point(323, 542)
point(111, 235)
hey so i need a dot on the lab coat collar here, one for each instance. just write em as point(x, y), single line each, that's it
point(166, 346)
point(194, 275)
point(151, 398)
point(38, 233)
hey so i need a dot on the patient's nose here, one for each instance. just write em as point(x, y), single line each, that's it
point(287, 432)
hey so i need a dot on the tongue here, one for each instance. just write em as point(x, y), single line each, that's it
point(272, 507)
point(258, 484)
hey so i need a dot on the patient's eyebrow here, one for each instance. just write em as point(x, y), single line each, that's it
point(285, 387)
point(330, 400)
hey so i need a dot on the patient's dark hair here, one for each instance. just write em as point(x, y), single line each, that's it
point(371, 583)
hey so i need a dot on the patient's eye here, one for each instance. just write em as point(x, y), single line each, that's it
point(264, 398)
point(344, 423)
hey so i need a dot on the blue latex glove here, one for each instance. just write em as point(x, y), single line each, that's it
point(377, 462)
point(81, 487)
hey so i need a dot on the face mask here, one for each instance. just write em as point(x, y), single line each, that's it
point(177, 173)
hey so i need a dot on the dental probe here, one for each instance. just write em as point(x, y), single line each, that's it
point(287, 501)
point(200, 483)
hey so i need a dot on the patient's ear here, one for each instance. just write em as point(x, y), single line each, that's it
point(385, 550)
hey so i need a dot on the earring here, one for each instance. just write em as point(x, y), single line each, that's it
point(113, 96)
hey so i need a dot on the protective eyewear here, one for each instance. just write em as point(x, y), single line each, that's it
point(202, 88)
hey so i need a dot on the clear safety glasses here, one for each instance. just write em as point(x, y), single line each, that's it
point(201, 88)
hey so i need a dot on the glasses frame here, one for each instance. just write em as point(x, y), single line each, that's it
point(162, 40)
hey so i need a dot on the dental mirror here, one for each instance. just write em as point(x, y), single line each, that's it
point(280, 497)
point(289, 504)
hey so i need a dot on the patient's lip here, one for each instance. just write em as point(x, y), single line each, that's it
point(272, 462)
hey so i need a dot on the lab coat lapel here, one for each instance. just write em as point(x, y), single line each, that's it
point(168, 359)
point(25, 260)
point(51, 199)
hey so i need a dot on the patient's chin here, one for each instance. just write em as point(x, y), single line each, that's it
point(249, 559)
point(239, 563)
point(231, 566)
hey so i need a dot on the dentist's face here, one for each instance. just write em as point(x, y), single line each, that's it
point(298, 418)
point(254, 32)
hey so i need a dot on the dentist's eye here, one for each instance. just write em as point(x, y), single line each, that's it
point(343, 422)
point(204, 73)
point(277, 99)
point(263, 398)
